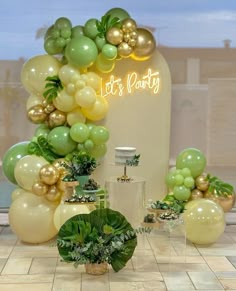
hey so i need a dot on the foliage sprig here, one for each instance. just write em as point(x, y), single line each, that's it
point(219, 187)
point(53, 86)
point(105, 24)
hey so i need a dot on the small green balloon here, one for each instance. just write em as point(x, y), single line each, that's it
point(77, 31)
point(81, 52)
point(50, 46)
point(62, 23)
point(181, 193)
point(119, 13)
point(11, 157)
point(109, 51)
point(98, 151)
point(88, 144)
point(170, 180)
point(100, 42)
point(193, 159)
point(99, 135)
point(90, 28)
point(42, 130)
point(79, 132)
point(60, 140)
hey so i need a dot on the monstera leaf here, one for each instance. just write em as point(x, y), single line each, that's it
point(83, 229)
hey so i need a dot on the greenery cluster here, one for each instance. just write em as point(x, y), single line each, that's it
point(80, 164)
point(105, 24)
point(134, 162)
point(104, 235)
point(53, 86)
point(219, 187)
point(169, 203)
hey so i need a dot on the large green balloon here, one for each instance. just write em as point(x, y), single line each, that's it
point(81, 52)
point(42, 130)
point(193, 159)
point(118, 12)
point(98, 151)
point(11, 157)
point(90, 28)
point(79, 132)
point(60, 140)
point(99, 135)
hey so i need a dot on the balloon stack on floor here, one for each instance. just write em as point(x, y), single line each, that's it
point(65, 103)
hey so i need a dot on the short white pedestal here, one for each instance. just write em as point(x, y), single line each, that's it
point(128, 198)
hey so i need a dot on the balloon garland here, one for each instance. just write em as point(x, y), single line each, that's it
point(65, 103)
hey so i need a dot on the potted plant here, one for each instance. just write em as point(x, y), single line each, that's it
point(97, 239)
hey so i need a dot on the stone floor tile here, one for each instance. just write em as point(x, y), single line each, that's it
point(43, 266)
point(5, 251)
point(26, 279)
point(218, 250)
point(219, 264)
point(26, 287)
point(64, 268)
point(67, 282)
point(140, 286)
point(172, 267)
point(205, 280)
point(228, 284)
point(177, 281)
point(226, 275)
point(17, 266)
point(35, 251)
point(181, 259)
point(145, 263)
point(129, 276)
point(2, 264)
point(98, 283)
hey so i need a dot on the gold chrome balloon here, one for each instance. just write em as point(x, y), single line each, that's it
point(53, 195)
point(49, 108)
point(202, 182)
point(128, 25)
point(58, 163)
point(36, 114)
point(196, 194)
point(39, 188)
point(114, 35)
point(49, 174)
point(124, 50)
point(226, 202)
point(145, 45)
point(56, 118)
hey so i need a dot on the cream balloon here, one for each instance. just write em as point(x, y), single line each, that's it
point(17, 193)
point(27, 170)
point(204, 221)
point(98, 111)
point(68, 73)
point(31, 218)
point(36, 70)
point(65, 102)
point(33, 100)
point(94, 80)
point(75, 116)
point(85, 97)
point(66, 211)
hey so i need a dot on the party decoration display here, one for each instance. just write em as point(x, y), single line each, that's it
point(204, 221)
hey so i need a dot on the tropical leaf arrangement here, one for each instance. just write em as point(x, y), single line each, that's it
point(104, 235)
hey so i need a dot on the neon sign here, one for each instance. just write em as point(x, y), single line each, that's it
point(132, 81)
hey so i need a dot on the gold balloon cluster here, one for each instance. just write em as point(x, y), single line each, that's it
point(50, 181)
point(46, 112)
point(131, 41)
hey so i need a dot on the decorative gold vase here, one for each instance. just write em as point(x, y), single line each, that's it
point(69, 189)
point(227, 203)
point(96, 269)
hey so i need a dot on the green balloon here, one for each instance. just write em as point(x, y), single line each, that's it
point(42, 130)
point(100, 42)
point(11, 157)
point(60, 140)
point(90, 28)
point(181, 193)
point(99, 135)
point(98, 151)
point(50, 46)
point(77, 31)
point(81, 52)
point(88, 144)
point(79, 132)
point(62, 23)
point(119, 13)
point(170, 180)
point(193, 159)
point(109, 51)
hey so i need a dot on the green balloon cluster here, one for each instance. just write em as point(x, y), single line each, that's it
point(181, 183)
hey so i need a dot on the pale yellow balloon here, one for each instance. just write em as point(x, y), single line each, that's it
point(27, 170)
point(17, 193)
point(33, 100)
point(66, 211)
point(94, 80)
point(36, 70)
point(204, 221)
point(31, 218)
point(98, 111)
point(75, 116)
point(85, 97)
point(65, 102)
point(67, 73)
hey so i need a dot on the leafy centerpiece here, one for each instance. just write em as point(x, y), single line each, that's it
point(101, 237)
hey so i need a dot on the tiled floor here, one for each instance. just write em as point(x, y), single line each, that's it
point(162, 261)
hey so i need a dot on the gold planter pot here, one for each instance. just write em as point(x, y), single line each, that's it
point(227, 203)
point(96, 269)
point(69, 188)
